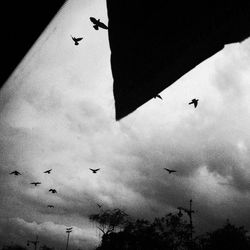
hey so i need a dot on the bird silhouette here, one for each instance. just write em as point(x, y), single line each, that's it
point(15, 173)
point(52, 191)
point(76, 40)
point(50, 206)
point(99, 205)
point(170, 170)
point(98, 24)
point(48, 171)
point(35, 183)
point(158, 96)
point(195, 102)
point(94, 170)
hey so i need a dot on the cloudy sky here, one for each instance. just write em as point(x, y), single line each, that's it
point(57, 111)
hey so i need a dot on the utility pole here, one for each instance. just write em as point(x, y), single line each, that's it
point(68, 231)
point(34, 242)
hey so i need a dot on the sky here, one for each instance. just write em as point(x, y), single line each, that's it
point(57, 111)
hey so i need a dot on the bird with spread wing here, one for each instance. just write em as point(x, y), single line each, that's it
point(52, 191)
point(76, 40)
point(195, 102)
point(35, 183)
point(94, 170)
point(170, 170)
point(48, 171)
point(98, 24)
point(15, 173)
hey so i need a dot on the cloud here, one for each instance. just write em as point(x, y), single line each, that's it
point(49, 233)
point(61, 116)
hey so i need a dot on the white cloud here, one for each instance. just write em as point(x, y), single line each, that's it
point(58, 112)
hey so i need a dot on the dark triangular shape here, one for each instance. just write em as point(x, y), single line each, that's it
point(154, 44)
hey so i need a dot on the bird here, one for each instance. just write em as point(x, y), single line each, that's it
point(35, 183)
point(15, 173)
point(170, 170)
point(195, 102)
point(94, 170)
point(158, 96)
point(99, 205)
point(48, 171)
point(52, 191)
point(50, 206)
point(98, 24)
point(76, 40)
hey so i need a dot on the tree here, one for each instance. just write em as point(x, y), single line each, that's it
point(169, 232)
point(229, 237)
point(110, 220)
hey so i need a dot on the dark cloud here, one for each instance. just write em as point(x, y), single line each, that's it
point(62, 118)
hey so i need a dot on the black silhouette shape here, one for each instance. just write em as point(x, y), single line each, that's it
point(99, 205)
point(94, 170)
point(195, 102)
point(98, 24)
point(24, 12)
point(170, 170)
point(76, 40)
point(158, 96)
point(50, 206)
point(48, 171)
point(35, 183)
point(52, 191)
point(15, 173)
point(138, 75)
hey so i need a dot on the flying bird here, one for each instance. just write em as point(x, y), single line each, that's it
point(52, 191)
point(158, 96)
point(76, 40)
point(15, 173)
point(195, 102)
point(50, 206)
point(99, 205)
point(35, 183)
point(98, 24)
point(94, 170)
point(170, 170)
point(48, 171)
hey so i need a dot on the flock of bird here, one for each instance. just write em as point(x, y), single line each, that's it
point(36, 183)
point(97, 24)
point(52, 190)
